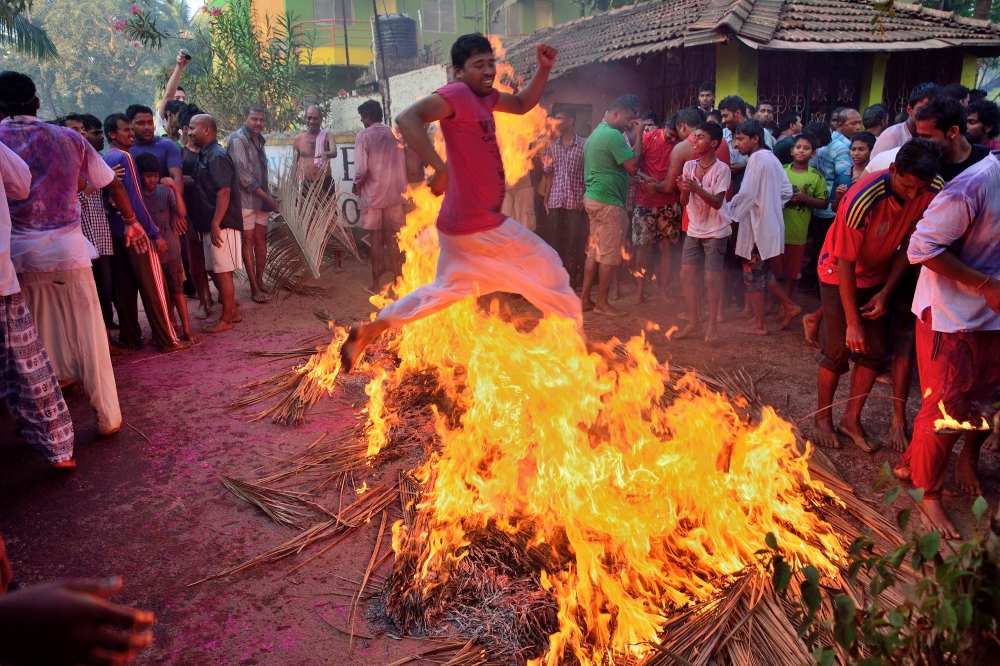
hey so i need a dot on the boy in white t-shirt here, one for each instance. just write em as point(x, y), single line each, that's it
point(703, 185)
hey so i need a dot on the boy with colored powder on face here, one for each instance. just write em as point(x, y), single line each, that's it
point(481, 250)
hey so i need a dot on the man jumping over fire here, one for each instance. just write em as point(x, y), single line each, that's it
point(482, 251)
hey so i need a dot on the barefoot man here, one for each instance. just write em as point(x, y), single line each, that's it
point(481, 250)
point(761, 236)
point(957, 304)
point(858, 277)
point(314, 151)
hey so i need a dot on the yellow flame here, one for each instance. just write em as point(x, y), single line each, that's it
point(949, 423)
point(661, 502)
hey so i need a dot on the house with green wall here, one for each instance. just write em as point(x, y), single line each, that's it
point(341, 30)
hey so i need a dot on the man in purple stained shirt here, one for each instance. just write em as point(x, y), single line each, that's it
point(137, 274)
point(49, 251)
point(957, 303)
point(564, 160)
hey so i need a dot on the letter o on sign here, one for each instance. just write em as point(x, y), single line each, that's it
point(351, 211)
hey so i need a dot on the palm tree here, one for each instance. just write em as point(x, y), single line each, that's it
point(19, 33)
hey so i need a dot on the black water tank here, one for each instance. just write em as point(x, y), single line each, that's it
point(399, 36)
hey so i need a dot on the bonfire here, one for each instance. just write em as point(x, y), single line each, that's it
point(570, 507)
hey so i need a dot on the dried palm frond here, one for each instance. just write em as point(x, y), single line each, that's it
point(312, 214)
point(285, 508)
point(409, 495)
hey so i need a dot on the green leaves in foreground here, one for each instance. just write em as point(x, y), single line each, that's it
point(949, 604)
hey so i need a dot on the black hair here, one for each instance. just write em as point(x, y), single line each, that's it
point(923, 91)
point(567, 111)
point(185, 115)
point(732, 104)
point(867, 137)
point(835, 114)
point(17, 94)
point(253, 109)
point(689, 117)
point(806, 136)
point(701, 113)
point(988, 113)
point(59, 121)
point(765, 101)
point(147, 163)
point(707, 86)
point(919, 157)
point(976, 94)
point(714, 113)
point(467, 46)
point(371, 109)
point(76, 117)
point(713, 130)
point(135, 109)
point(181, 88)
point(111, 122)
point(751, 128)
point(946, 112)
point(173, 106)
point(751, 110)
point(90, 121)
point(874, 116)
point(672, 121)
point(820, 131)
point(626, 103)
point(788, 118)
point(650, 114)
point(956, 91)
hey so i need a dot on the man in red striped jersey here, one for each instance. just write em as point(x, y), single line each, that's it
point(859, 269)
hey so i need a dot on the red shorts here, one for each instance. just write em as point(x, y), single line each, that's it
point(961, 370)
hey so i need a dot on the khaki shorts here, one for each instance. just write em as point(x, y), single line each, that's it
point(227, 258)
point(390, 218)
point(607, 226)
point(251, 218)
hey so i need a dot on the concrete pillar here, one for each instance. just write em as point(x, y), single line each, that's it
point(970, 67)
point(736, 71)
point(873, 79)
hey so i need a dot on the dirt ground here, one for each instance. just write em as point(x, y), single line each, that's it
point(147, 503)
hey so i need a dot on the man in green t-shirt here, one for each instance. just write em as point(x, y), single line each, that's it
point(607, 162)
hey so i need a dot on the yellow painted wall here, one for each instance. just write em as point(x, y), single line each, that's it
point(873, 79)
point(736, 71)
point(970, 66)
point(328, 55)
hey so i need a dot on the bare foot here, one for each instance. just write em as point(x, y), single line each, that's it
point(810, 323)
point(934, 517)
point(902, 472)
point(172, 349)
point(639, 299)
point(720, 319)
point(992, 442)
point(202, 312)
point(587, 306)
point(824, 436)
point(753, 329)
point(237, 317)
point(267, 290)
point(190, 337)
point(860, 439)
point(606, 311)
point(358, 339)
point(339, 269)
point(967, 477)
point(745, 313)
point(216, 327)
point(259, 297)
point(789, 316)
point(897, 438)
point(687, 330)
point(711, 335)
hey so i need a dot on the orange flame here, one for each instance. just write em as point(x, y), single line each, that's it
point(949, 423)
point(660, 503)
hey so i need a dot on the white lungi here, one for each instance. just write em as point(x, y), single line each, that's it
point(508, 258)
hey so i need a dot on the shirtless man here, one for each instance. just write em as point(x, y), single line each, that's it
point(316, 166)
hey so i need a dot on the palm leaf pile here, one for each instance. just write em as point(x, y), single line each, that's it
point(494, 597)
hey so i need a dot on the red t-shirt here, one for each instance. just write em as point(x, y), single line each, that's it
point(722, 154)
point(870, 224)
point(475, 170)
point(655, 164)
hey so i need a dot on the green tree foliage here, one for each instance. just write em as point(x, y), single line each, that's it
point(950, 592)
point(245, 60)
point(99, 70)
point(23, 36)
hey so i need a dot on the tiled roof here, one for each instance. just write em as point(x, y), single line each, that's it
point(658, 25)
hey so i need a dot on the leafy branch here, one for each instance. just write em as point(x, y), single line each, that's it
point(950, 598)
